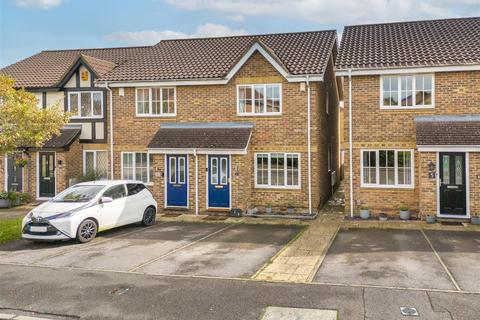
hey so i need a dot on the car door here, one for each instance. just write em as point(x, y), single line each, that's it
point(136, 201)
point(113, 214)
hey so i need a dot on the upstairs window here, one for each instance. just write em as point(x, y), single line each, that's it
point(259, 99)
point(155, 102)
point(86, 104)
point(409, 91)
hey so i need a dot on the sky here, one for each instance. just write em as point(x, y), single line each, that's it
point(30, 26)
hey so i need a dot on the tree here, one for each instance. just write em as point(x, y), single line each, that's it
point(22, 123)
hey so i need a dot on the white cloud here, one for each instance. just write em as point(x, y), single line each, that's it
point(38, 4)
point(335, 12)
point(148, 37)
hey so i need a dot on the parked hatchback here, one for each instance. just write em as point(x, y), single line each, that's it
point(82, 210)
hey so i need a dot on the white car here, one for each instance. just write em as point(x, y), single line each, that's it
point(86, 208)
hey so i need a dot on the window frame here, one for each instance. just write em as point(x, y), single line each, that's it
point(252, 87)
point(377, 170)
point(134, 166)
point(79, 111)
point(84, 164)
point(269, 171)
point(150, 104)
point(414, 106)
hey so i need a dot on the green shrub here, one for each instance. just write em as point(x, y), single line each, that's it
point(91, 175)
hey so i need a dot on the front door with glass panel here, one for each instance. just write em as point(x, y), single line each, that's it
point(453, 191)
point(177, 181)
point(46, 177)
point(14, 173)
point(218, 182)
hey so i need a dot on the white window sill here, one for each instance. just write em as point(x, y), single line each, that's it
point(276, 114)
point(86, 118)
point(406, 108)
point(156, 115)
point(278, 188)
point(390, 186)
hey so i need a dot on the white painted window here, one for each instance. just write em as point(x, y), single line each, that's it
point(214, 171)
point(277, 170)
point(137, 166)
point(407, 91)
point(155, 102)
point(387, 168)
point(259, 99)
point(181, 170)
point(95, 161)
point(86, 104)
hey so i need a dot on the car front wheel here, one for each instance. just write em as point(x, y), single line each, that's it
point(149, 216)
point(87, 230)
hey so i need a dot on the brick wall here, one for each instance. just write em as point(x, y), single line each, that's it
point(456, 93)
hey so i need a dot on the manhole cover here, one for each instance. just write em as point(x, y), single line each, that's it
point(119, 291)
point(408, 311)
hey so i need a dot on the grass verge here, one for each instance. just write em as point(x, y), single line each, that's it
point(10, 230)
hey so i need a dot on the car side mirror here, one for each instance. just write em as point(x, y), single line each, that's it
point(105, 200)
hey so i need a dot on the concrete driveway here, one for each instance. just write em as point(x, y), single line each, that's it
point(168, 248)
point(441, 260)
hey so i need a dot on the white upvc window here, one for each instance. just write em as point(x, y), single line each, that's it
point(390, 168)
point(86, 104)
point(155, 102)
point(95, 161)
point(259, 99)
point(137, 166)
point(407, 91)
point(277, 170)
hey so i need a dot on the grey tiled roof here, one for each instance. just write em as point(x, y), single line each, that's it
point(448, 130)
point(410, 44)
point(223, 136)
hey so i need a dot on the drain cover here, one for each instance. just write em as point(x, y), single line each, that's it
point(408, 311)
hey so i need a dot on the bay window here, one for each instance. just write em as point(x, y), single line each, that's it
point(387, 168)
point(277, 170)
point(407, 91)
point(137, 166)
point(85, 104)
point(155, 102)
point(259, 99)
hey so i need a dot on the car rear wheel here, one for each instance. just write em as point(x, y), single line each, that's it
point(87, 230)
point(149, 216)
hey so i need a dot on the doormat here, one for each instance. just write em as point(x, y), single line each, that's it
point(171, 215)
point(215, 218)
point(452, 223)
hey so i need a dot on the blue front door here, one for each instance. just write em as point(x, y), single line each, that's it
point(218, 182)
point(177, 181)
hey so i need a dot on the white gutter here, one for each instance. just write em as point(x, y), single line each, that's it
point(111, 130)
point(196, 180)
point(309, 147)
point(350, 143)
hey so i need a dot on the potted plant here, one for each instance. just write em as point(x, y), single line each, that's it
point(21, 162)
point(475, 219)
point(14, 198)
point(268, 208)
point(383, 217)
point(364, 213)
point(430, 219)
point(404, 212)
point(290, 208)
point(24, 197)
point(4, 200)
point(252, 210)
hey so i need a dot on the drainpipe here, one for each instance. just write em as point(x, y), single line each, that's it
point(350, 142)
point(309, 147)
point(196, 181)
point(111, 129)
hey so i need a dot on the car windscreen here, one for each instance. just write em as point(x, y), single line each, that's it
point(82, 193)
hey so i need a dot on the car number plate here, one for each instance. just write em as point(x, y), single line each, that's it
point(38, 229)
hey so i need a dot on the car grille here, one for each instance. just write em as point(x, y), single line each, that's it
point(51, 230)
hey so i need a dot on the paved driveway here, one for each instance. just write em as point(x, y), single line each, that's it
point(404, 258)
point(206, 249)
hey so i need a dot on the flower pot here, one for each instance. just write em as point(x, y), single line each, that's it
point(290, 210)
point(405, 215)
point(268, 210)
point(475, 220)
point(252, 210)
point(4, 203)
point(364, 214)
point(430, 219)
point(383, 217)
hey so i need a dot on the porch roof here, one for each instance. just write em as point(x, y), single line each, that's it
point(462, 130)
point(202, 136)
point(68, 135)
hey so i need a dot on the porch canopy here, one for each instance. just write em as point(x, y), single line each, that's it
point(202, 137)
point(68, 135)
point(455, 132)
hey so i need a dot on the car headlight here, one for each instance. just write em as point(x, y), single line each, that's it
point(29, 215)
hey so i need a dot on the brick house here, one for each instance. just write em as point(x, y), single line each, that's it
point(209, 124)
point(412, 117)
